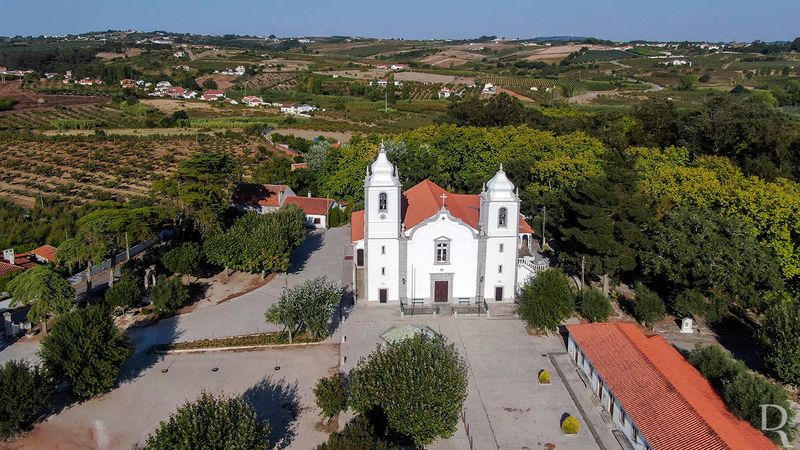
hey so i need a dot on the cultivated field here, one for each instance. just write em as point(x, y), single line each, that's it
point(34, 100)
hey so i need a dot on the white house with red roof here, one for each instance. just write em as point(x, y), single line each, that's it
point(264, 198)
point(427, 245)
point(212, 95)
point(252, 101)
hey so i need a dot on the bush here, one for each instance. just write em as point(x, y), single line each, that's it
point(748, 391)
point(359, 433)
point(780, 334)
point(24, 391)
point(428, 381)
point(544, 376)
point(595, 306)
point(169, 295)
point(546, 302)
point(184, 259)
point(124, 294)
point(86, 349)
point(570, 425)
point(331, 394)
point(715, 364)
point(648, 308)
point(337, 217)
point(705, 78)
point(214, 423)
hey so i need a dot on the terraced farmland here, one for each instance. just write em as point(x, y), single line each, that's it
point(46, 119)
point(527, 83)
point(87, 169)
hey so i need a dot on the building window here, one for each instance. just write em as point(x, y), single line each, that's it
point(500, 268)
point(382, 199)
point(317, 221)
point(383, 270)
point(501, 248)
point(383, 249)
point(502, 217)
point(442, 252)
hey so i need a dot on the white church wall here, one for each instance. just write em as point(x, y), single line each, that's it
point(462, 264)
point(382, 256)
point(494, 259)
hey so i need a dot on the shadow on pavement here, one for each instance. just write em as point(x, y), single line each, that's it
point(144, 358)
point(300, 256)
point(279, 403)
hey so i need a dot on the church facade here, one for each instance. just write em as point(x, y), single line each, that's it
point(426, 245)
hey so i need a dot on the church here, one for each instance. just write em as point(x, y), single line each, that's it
point(427, 245)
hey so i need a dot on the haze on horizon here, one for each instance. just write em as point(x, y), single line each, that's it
point(623, 20)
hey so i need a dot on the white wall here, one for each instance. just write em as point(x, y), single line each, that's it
point(375, 259)
point(494, 258)
point(463, 258)
point(323, 221)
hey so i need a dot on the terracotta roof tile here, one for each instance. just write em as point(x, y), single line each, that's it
point(6, 268)
point(357, 226)
point(666, 397)
point(311, 205)
point(259, 194)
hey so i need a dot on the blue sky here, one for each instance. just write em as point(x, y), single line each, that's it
point(713, 20)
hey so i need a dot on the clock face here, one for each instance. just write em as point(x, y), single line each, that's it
point(383, 216)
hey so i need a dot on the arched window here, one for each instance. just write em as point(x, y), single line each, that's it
point(382, 201)
point(502, 217)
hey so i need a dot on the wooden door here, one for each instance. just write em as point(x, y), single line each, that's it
point(498, 294)
point(383, 295)
point(360, 257)
point(440, 291)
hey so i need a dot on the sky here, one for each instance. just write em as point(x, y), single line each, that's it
point(696, 20)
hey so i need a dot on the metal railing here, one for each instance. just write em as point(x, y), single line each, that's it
point(418, 310)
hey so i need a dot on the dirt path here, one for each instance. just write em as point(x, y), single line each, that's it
point(341, 136)
point(515, 95)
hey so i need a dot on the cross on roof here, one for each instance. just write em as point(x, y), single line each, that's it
point(444, 197)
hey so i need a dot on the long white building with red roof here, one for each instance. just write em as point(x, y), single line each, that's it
point(427, 245)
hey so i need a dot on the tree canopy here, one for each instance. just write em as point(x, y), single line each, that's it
point(45, 290)
point(24, 391)
point(307, 307)
point(547, 301)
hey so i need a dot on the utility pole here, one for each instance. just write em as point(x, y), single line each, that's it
point(583, 269)
point(544, 216)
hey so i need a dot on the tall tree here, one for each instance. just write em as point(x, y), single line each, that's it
point(547, 301)
point(24, 391)
point(46, 291)
point(185, 259)
point(87, 349)
point(780, 334)
point(603, 222)
point(307, 307)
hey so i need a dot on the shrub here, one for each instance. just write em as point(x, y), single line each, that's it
point(715, 364)
point(428, 382)
point(212, 422)
point(359, 433)
point(570, 425)
point(780, 334)
point(705, 78)
point(24, 391)
point(184, 259)
point(748, 391)
point(169, 295)
point(595, 306)
point(337, 217)
point(546, 302)
point(125, 293)
point(544, 376)
point(307, 307)
point(331, 394)
point(86, 349)
point(648, 308)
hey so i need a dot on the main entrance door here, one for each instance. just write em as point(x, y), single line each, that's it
point(440, 291)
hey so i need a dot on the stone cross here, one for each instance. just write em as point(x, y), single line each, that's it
point(444, 197)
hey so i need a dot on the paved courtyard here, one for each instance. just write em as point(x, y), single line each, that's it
point(506, 407)
point(125, 417)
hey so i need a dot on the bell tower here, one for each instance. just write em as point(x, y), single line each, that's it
point(500, 232)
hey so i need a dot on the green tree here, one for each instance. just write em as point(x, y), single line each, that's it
point(546, 302)
point(308, 306)
point(603, 222)
point(594, 306)
point(748, 391)
point(86, 349)
point(331, 394)
point(716, 364)
point(428, 382)
point(648, 308)
point(185, 259)
point(359, 433)
point(24, 391)
point(497, 111)
point(688, 82)
point(46, 291)
point(780, 334)
point(212, 423)
point(124, 294)
point(168, 295)
point(209, 83)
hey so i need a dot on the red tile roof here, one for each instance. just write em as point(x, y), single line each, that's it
point(424, 200)
point(311, 205)
point(357, 226)
point(6, 268)
point(259, 194)
point(666, 397)
point(46, 252)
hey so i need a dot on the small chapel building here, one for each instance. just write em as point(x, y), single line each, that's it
point(427, 245)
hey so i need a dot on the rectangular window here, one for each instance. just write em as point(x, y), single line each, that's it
point(500, 268)
point(317, 221)
point(442, 252)
point(383, 249)
point(383, 270)
point(501, 248)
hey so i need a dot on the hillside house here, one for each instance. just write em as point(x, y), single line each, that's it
point(213, 95)
point(252, 101)
point(398, 67)
point(264, 198)
point(176, 92)
point(445, 92)
point(489, 89)
point(297, 109)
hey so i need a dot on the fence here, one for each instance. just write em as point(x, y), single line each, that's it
point(122, 257)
